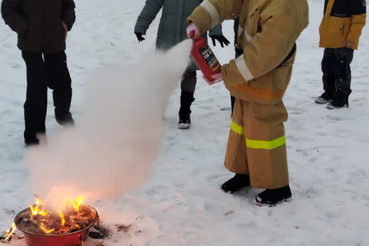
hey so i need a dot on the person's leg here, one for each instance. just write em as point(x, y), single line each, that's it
point(60, 82)
point(188, 86)
point(237, 52)
point(236, 156)
point(328, 77)
point(35, 106)
point(266, 151)
point(232, 103)
point(342, 74)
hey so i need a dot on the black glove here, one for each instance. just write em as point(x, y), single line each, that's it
point(221, 39)
point(139, 36)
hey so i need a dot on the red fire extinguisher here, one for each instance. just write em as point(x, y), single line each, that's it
point(205, 58)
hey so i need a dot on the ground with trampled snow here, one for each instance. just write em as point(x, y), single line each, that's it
point(181, 203)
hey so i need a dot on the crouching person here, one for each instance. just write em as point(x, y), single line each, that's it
point(258, 79)
point(42, 28)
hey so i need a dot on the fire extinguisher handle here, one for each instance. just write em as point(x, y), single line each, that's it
point(193, 31)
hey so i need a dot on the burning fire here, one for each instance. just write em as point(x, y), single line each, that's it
point(35, 210)
point(43, 228)
point(78, 202)
point(73, 218)
point(66, 220)
point(9, 233)
point(62, 218)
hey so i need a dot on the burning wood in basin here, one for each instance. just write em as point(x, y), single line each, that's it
point(53, 223)
point(39, 220)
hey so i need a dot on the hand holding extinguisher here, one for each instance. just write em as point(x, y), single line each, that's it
point(193, 31)
point(204, 56)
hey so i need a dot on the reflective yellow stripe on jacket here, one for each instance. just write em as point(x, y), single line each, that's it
point(258, 144)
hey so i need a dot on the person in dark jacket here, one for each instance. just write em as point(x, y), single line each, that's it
point(340, 31)
point(172, 30)
point(42, 28)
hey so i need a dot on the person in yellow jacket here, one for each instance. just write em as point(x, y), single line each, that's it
point(258, 79)
point(340, 31)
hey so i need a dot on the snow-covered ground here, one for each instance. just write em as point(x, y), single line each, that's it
point(181, 203)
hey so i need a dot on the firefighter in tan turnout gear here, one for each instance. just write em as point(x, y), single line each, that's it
point(258, 79)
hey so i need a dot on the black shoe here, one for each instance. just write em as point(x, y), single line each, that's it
point(324, 98)
point(338, 103)
point(185, 110)
point(31, 141)
point(236, 183)
point(65, 120)
point(274, 197)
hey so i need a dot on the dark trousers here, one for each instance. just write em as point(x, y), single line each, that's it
point(189, 80)
point(45, 71)
point(238, 52)
point(337, 72)
point(188, 85)
point(233, 99)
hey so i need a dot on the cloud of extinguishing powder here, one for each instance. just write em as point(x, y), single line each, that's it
point(112, 148)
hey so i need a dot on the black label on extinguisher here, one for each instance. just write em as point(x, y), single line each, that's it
point(209, 56)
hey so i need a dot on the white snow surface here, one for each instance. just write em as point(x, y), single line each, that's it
point(181, 203)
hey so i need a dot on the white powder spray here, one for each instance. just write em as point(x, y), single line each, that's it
point(113, 146)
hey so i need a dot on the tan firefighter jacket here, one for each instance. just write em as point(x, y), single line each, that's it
point(267, 32)
point(343, 21)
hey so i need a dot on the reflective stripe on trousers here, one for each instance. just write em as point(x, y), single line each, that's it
point(258, 144)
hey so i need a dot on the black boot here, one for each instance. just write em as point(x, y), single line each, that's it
point(65, 119)
point(274, 197)
point(236, 183)
point(185, 110)
point(31, 141)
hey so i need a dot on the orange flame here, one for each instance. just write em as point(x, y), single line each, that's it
point(62, 218)
point(77, 203)
point(40, 209)
point(35, 210)
point(45, 230)
point(42, 213)
point(9, 233)
point(38, 201)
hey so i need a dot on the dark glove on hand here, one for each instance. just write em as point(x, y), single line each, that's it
point(139, 36)
point(221, 39)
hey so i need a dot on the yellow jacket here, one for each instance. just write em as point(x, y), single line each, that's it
point(267, 33)
point(342, 21)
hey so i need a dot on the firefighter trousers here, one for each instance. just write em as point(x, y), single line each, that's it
point(257, 144)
